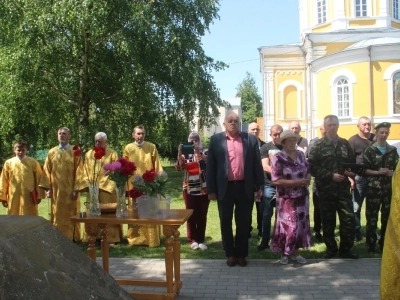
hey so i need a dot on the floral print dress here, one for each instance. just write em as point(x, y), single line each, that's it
point(292, 223)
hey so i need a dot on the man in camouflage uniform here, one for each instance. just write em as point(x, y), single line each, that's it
point(331, 178)
point(380, 160)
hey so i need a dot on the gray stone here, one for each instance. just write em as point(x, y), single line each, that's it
point(38, 262)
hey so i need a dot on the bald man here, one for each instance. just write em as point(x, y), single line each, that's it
point(302, 143)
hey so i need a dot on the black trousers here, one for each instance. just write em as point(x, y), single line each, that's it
point(235, 204)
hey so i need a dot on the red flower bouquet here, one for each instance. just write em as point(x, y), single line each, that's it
point(120, 171)
point(150, 183)
point(97, 155)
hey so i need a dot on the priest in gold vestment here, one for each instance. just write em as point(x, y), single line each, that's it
point(145, 156)
point(20, 176)
point(107, 192)
point(390, 267)
point(59, 176)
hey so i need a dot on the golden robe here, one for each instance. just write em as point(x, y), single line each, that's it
point(59, 174)
point(18, 179)
point(390, 267)
point(145, 157)
point(107, 193)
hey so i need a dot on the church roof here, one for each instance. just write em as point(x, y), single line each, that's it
point(374, 42)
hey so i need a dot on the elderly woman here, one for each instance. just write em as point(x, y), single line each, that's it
point(194, 190)
point(291, 176)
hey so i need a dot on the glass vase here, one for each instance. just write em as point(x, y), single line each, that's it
point(147, 206)
point(94, 205)
point(122, 210)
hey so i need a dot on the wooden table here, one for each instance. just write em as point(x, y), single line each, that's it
point(174, 218)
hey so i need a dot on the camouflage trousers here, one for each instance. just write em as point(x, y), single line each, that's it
point(337, 202)
point(377, 199)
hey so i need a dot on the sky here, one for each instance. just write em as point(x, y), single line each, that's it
point(243, 27)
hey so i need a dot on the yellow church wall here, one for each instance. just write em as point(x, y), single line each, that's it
point(333, 47)
point(380, 92)
point(310, 9)
point(330, 10)
point(376, 8)
point(290, 102)
point(322, 28)
point(395, 25)
point(360, 88)
point(349, 8)
point(288, 106)
point(357, 23)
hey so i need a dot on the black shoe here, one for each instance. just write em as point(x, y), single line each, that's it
point(263, 245)
point(318, 236)
point(231, 261)
point(348, 254)
point(328, 255)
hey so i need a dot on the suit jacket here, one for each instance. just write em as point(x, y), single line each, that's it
point(217, 165)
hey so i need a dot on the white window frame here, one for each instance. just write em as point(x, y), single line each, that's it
point(341, 111)
point(321, 20)
point(281, 89)
point(368, 11)
point(396, 9)
point(389, 76)
point(351, 80)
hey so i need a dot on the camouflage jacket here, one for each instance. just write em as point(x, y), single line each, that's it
point(374, 160)
point(325, 160)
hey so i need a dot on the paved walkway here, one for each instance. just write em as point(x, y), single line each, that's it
point(261, 279)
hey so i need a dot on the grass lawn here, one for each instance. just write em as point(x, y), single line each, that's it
point(213, 235)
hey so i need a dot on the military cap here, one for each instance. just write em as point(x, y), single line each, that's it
point(383, 124)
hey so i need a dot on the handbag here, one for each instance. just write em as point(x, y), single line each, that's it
point(193, 178)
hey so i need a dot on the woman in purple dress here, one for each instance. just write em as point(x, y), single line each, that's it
point(291, 175)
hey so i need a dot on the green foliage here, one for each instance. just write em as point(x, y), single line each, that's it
point(105, 66)
point(251, 100)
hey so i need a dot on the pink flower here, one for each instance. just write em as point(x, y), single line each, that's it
point(116, 165)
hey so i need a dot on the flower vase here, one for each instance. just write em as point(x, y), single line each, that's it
point(94, 205)
point(122, 210)
point(147, 206)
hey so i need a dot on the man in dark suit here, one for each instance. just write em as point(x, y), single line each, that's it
point(233, 171)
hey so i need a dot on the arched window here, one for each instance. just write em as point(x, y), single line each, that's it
point(396, 93)
point(341, 83)
point(343, 97)
point(392, 76)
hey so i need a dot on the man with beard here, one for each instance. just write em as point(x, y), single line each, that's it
point(145, 156)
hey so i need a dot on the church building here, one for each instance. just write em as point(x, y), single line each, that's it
point(347, 64)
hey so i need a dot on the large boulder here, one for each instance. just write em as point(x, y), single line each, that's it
point(38, 262)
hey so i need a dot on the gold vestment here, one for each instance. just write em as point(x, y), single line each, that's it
point(145, 157)
point(59, 175)
point(18, 179)
point(390, 267)
point(107, 193)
